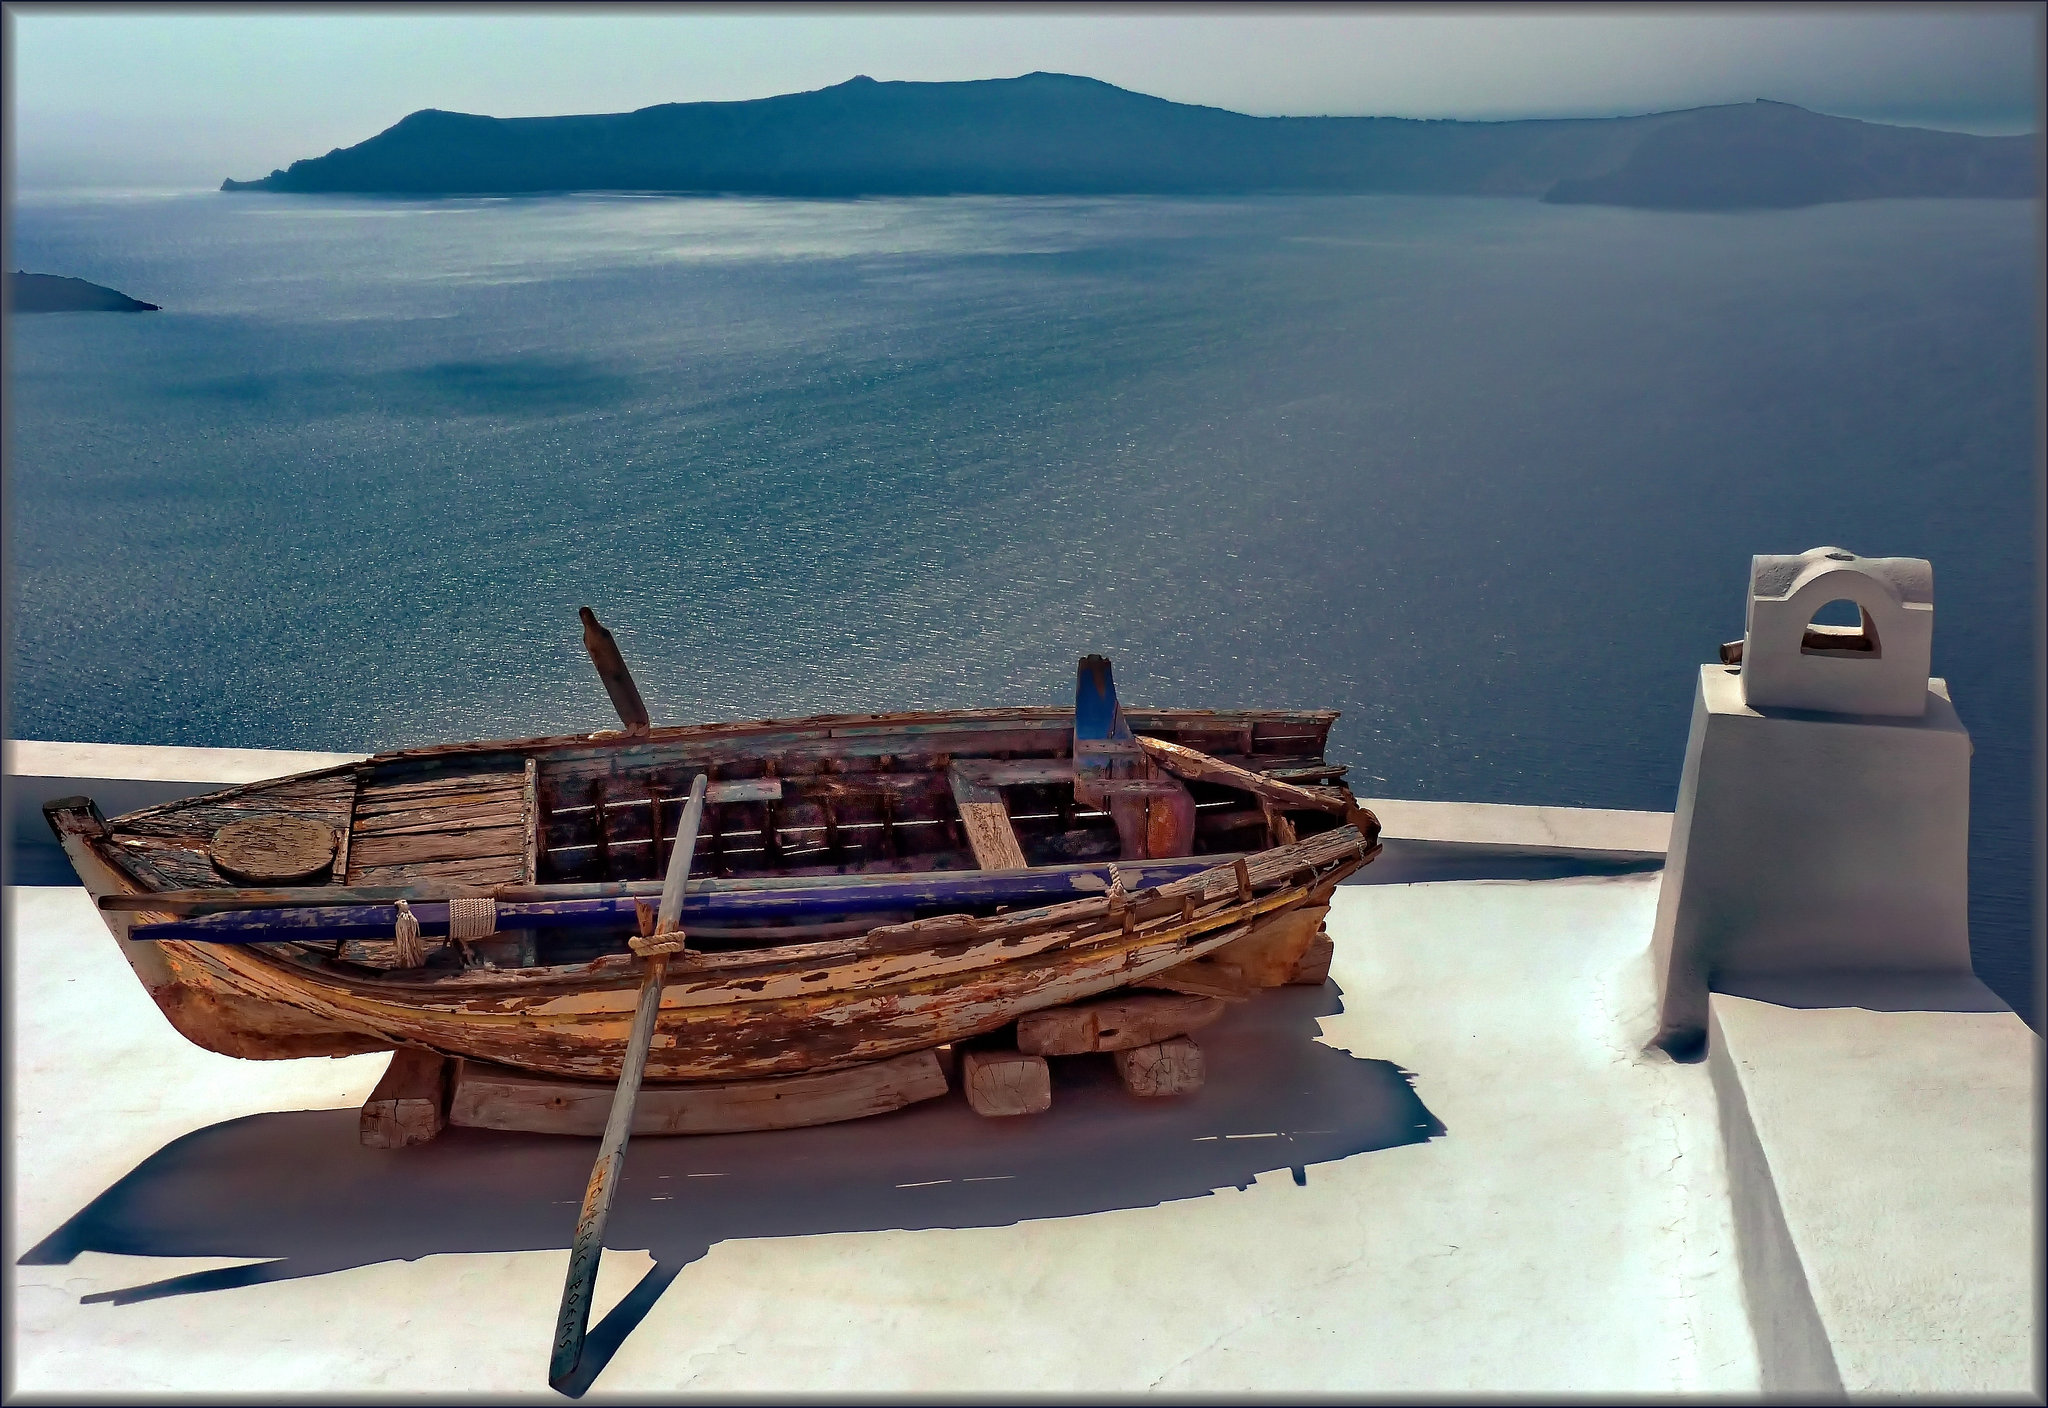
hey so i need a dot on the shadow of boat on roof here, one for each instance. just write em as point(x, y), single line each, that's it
point(300, 1191)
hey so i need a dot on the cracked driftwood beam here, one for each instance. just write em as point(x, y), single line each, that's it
point(1193, 766)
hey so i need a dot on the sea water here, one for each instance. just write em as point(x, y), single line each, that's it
point(1484, 474)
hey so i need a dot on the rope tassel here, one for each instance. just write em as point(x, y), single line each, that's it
point(411, 952)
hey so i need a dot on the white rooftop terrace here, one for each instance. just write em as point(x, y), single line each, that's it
point(1458, 1167)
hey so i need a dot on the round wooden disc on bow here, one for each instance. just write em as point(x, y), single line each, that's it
point(268, 850)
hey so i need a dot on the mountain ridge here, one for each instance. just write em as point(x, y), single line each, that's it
point(1066, 134)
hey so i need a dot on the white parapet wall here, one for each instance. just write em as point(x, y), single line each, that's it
point(1882, 1165)
point(1877, 1101)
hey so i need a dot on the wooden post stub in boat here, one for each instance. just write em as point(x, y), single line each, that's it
point(410, 1103)
point(1114, 1024)
point(1171, 1067)
point(611, 668)
point(1314, 968)
point(1005, 1082)
point(1278, 827)
point(276, 849)
point(74, 816)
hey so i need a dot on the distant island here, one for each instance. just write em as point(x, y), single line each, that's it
point(1055, 134)
point(54, 293)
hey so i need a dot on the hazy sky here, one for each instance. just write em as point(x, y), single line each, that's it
point(167, 96)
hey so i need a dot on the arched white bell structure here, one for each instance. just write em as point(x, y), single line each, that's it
point(1822, 826)
point(1879, 666)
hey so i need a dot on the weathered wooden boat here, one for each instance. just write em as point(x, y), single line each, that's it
point(872, 885)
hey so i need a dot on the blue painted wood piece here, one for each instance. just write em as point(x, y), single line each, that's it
point(1097, 715)
point(829, 900)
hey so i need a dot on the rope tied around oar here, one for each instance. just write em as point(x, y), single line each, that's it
point(468, 918)
point(472, 919)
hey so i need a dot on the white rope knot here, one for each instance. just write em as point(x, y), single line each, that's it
point(472, 919)
point(1116, 885)
point(411, 952)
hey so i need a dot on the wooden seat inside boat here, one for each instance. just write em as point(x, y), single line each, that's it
point(470, 826)
point(890, 799)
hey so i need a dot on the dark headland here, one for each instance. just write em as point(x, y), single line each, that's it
point(1053, 134)
point(54, 293)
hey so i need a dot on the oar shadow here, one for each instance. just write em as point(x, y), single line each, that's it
point(300, 1192)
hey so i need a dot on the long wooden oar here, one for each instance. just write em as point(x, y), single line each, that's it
point(574, 1320)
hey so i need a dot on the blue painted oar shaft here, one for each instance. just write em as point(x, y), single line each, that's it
point(818, 904)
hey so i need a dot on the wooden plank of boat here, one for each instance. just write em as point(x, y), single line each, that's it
point(1314, 968)
point(1197, 766)
point(851, 892)
point(1271, 727)
point(987, 821)
point(493, 1097)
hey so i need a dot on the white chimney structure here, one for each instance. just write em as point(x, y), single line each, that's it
point(1823, 815)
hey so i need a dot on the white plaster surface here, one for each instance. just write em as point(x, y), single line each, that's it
point(1568, 1233)
point(221, 767)
point(1901, 1147)
point(1535, 828)
point(1807, 843)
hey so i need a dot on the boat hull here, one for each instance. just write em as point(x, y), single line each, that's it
point(809, 1007)
point(765, 1011)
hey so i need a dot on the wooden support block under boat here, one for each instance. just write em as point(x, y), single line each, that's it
point(1114, 1024)
point(1314, 968)
point(1166, 1068)
point(410, 1104)
point(1002, 1083)
point(492, 1097)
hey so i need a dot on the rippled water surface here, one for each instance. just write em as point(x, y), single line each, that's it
point(1484, 474)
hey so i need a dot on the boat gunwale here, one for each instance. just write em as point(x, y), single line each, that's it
point(623, 970)
point(133, 861)
point(854, 725)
